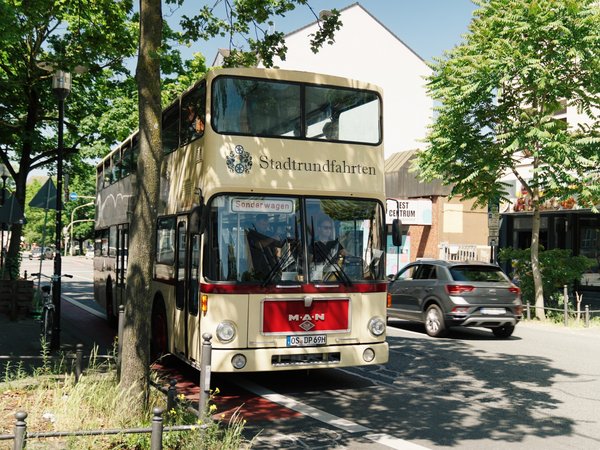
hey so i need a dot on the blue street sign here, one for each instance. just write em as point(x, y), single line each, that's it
point(73, 196)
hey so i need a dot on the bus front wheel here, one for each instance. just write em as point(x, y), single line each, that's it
point(159, 341)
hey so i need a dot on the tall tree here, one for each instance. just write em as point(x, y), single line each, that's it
point(135, 362)
point(240, 17)
point(521, 63)
point(41, 35)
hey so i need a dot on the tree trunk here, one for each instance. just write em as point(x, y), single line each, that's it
point(535, 262)
point(20, 179)
point(135, 370)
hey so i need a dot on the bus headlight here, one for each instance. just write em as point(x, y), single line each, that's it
point(377, 326)
point(368, 355)
point(225, 331)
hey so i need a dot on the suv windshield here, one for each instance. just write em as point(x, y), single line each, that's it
point(267, 239)
point(477, 273)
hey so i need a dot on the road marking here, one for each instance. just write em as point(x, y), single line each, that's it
point(392, 442)
point(84, 307)
point(327, 418)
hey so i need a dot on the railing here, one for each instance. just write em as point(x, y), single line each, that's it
point(464, 252)
point(21, 435)
point(566, 312)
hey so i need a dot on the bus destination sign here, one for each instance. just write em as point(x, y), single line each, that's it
point(265, 205)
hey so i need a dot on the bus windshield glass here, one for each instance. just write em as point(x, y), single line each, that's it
point(267, 239)
point(285, 109)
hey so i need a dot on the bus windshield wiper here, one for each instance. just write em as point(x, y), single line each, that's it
point(282, 260)
point(334, 264)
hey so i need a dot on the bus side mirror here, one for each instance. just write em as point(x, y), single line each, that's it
point(197, 220)
point(397, 232)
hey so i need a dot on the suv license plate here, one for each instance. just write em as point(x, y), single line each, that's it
point(306, 340)
point(493, 311)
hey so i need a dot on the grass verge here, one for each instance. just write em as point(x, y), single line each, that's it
point(54, 402)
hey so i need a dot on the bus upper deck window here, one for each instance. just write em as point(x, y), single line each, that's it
point(170, 132)
point(193, 114)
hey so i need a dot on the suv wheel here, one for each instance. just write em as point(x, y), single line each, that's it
point(505, 331)
point(434, 322)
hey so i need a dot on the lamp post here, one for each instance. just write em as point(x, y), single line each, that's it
point(4, 175)
point(61, 85)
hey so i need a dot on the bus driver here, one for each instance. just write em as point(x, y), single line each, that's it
point(326, 249)
point(265, 248)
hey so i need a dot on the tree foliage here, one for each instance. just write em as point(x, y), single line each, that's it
point(558, 266)
point(37, 38)
point(249, 27)
point(521, 63)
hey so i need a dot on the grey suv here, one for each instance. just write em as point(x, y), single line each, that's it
point(443, 294)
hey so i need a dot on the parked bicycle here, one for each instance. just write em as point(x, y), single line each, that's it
point(48, 308)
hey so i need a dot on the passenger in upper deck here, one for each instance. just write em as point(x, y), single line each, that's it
point(331, 131)
point(195, 123)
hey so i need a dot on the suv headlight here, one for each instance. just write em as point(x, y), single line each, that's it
point(376, 326)
point(226, 331)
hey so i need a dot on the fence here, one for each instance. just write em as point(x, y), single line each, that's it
point(566, 312)
point(157, 429)
point(464, 252)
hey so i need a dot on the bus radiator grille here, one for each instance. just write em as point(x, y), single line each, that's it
point(314, 359)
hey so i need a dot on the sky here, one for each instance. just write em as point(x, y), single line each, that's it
point(428, 27)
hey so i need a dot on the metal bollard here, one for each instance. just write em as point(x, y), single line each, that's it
point(120, 330)
point(20, 430)
point(78, 362)
point(205, 374)
point(157, 429)
point(587, 316)
point(528, 311)
point(172, 395)
point(566, 304)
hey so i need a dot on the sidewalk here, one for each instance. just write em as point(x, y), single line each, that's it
point(22, 337)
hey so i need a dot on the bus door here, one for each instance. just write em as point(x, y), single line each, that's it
point(193, 299)
point(121, 264)
point(180, 327)
point(186, 329)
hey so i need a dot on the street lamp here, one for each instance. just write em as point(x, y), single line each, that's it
point(4, 175)
point(61, 85)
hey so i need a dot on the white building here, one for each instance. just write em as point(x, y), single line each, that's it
point(366, 50)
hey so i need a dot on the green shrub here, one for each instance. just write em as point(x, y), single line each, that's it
point(558, 267)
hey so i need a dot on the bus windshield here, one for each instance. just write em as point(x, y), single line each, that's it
point(268, 239)
point(285, 109)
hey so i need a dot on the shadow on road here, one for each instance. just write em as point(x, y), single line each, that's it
point(442, 391)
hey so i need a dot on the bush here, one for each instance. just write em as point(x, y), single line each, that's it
point(558, 267)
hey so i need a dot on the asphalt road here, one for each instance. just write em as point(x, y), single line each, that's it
point(540, 389)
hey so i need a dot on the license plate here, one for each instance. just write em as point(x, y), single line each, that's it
point(493, 311)
point(306, 340)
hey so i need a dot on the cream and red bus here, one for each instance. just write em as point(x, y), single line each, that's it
point(270, 230)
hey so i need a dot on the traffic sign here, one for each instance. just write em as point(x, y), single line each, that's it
point(73, 196)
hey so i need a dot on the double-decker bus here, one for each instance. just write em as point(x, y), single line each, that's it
point(270, 230)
